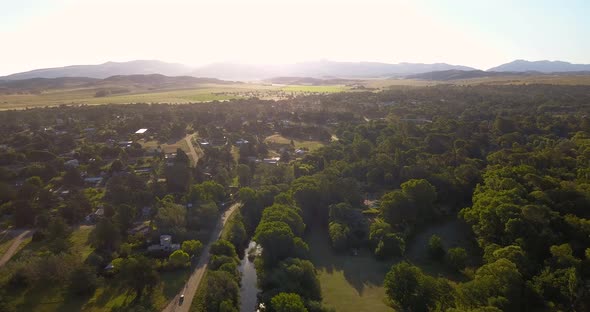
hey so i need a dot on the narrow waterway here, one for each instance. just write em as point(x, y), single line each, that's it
point(248, 289)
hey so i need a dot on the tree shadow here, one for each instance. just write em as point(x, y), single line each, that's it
point(41, 298)
point(453, 233)
point(360, 271)
point(365, 270)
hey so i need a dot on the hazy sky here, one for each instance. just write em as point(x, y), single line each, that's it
point(482, 34)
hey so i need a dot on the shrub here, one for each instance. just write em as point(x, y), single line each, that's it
point(457, 258)
point(435, 248)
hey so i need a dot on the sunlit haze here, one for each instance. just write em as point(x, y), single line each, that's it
point(44, 33)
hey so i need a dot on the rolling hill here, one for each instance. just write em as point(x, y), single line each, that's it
point(233, 71)
point(320, 69)
point(105, 70)
point(540, 66)
point(446, 75)
point(130, 82)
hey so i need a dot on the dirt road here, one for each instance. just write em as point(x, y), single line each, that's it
point(193, 153)
point(190, 288)
point(24, 234)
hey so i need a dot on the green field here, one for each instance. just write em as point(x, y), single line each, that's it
point(349, 283)
point(355, 283)
point(201, 93)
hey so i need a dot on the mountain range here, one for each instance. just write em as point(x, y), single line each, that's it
point(318, 69)
point(540, 66)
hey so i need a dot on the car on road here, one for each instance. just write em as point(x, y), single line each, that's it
point(181, 299)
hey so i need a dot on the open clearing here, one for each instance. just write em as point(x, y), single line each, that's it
point(355, 283)
point(203, 93)
point(281, 140)
point(349, 283)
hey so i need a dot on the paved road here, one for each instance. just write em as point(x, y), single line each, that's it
point(190, 288)
point(24, 234)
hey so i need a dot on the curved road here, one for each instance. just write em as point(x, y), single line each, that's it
point(14, 246)
point(190, 288)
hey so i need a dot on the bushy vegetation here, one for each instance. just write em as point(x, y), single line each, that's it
point(510, 162)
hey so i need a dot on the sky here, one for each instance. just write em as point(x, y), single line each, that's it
point(482, 34)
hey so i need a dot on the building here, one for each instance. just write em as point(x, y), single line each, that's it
point(241, 142)
point(141, 131)
point(165, 244)
point(271, 161)
point(74, 163)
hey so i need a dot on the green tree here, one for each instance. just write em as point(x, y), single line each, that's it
point(287, 214)
point(293, 276)
point(435, 247)
point(178, 258)
point(221, 286)
point(397, 207)
point(83, 281)
point(192, 247)
point(276, 239)
point(495, 284)
point(391, 245)
point(244, 174)
point(339, 234)
point(287, 302)
point(457, 258)
point(139, 274)
point(106, 236)
point(171, 217)
point(410, 289)
point(223, 248)
point(422, 193)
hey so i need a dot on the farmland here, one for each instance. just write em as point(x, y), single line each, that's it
point(172, 95)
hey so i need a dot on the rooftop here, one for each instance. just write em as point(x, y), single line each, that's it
point(141, 131)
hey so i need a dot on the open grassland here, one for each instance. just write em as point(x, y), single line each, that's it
point(202, 93)
point(281, 140)
point(208, 92)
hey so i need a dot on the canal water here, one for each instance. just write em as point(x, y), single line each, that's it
point(248, 289)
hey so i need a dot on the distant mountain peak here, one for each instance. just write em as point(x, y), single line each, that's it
point(543, 66)
point(101, 71)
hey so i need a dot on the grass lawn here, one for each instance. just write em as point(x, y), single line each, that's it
point(80, 243)
point(349, 283)
point(355, 283)
point(281, 140)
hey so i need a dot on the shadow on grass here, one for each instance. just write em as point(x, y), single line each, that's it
point(57, 299)
point(365, 270)
point(360, 271)
point(453, 233)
